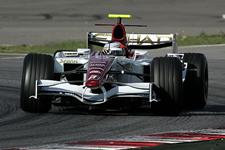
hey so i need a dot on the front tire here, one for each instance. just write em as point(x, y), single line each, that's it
point(196, 82)
point(166, 73)
point(35, 67)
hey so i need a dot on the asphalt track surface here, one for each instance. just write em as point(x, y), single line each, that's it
point(60, 125)
point(37, 22)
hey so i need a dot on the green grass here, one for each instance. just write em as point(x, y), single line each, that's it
point(47, 48)
point(202, 39)
point(182, 40)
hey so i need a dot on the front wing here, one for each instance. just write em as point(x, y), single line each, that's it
point(86, 96)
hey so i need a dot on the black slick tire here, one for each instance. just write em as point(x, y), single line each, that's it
point(35, 67)
point(196, 82)
point(166, 73)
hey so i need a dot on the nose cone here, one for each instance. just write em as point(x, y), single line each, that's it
point(98, 67)
point(92, 83)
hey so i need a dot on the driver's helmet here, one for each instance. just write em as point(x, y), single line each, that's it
point(113, 48)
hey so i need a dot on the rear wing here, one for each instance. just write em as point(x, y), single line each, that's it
point(135, 41)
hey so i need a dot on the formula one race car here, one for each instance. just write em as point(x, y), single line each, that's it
point(121, 73)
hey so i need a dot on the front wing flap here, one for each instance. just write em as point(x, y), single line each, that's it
point(86, 96)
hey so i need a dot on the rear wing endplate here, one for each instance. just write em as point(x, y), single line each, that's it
point(135, 41)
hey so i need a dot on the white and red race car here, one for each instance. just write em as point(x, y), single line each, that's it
point(122, 72)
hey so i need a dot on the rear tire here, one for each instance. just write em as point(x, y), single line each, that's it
point(196, 82)
point(166, 72)
point(35, 67)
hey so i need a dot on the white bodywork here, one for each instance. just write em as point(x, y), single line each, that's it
point(85, 95)
point(123, 85)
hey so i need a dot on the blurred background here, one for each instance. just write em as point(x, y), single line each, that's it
point(44, 21)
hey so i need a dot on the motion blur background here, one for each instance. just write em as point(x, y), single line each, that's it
point(44, 21)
